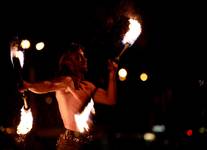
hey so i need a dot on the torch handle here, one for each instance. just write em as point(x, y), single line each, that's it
point(25, 101)
point(122, 51)
point(18, 71)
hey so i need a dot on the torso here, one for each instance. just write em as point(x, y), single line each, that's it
point(70, 105)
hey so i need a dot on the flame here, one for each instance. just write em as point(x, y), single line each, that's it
point(18, 54)
point(26, 121)
point(83, 119)
point(133, 32)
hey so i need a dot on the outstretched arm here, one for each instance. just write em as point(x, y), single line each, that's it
point(48, 86)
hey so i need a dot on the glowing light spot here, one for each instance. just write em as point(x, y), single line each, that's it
point(39, 46)
point(122, 73)
point(144, 77)
point(202, 130)
point(189, 132)
point(158, 128)
point(149, 136)
point(25, 44)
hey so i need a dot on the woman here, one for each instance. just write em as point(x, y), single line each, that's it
point(73, 94)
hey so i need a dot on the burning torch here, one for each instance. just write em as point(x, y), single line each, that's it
point(130, 36)
point(17, 58)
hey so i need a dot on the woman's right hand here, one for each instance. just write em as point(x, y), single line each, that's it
point(112, 65)
point(24, 87)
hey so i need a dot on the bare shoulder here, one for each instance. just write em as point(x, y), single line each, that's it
point(63, 79)
point(88, 84)
point(63, 82)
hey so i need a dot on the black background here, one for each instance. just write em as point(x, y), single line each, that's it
point(170, 48)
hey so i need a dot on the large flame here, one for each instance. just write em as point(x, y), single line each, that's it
point(133, 32)
point(83, 119)
point(26, 121)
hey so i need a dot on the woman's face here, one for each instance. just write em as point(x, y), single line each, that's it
point(82, 60)
point(77, 61)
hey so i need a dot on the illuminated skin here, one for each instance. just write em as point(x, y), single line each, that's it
point(72, 91)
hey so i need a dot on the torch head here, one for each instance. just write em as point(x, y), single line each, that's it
point(17, 59)
point(130, 36)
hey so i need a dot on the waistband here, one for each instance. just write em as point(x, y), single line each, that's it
point(76, 137)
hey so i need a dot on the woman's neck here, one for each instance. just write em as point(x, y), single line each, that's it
point(77, 79)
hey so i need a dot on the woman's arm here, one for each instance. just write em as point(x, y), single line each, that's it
point(48, 86)
point(108, 96)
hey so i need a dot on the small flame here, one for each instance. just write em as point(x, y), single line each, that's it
point(18, 54)
point(26, 121)
point(133, 32)
point(83, 119)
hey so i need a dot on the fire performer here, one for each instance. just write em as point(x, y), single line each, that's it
point(76, 96)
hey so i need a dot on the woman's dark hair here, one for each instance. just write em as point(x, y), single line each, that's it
point(73, 47)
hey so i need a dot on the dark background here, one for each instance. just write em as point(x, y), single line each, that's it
point(170, 48)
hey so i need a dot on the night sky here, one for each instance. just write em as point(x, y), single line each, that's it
point(170, 48)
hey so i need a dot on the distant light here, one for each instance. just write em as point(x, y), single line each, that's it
point(143, 76)
point(202, 130)
point(118, 135)
point(189, 132)
point(122, 74)
point(40, 46)
point(9, 130)
point(25, 44)
point(149, 136)
point(158, 128)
